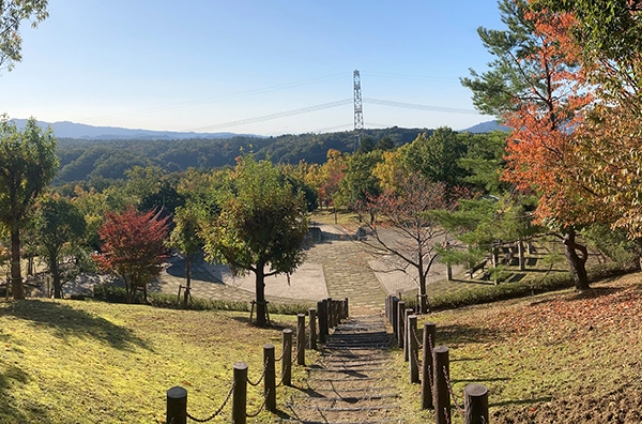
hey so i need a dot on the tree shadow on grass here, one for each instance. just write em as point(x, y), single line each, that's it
point(450, 335)
point(14, 410)
point(68, 322)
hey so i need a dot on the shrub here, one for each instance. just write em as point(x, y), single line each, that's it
point(116, 294)
point(528, 287)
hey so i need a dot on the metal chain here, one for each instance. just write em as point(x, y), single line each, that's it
point(450, 389)
point(417, 361)
point(251, 383)
point(414, 334)
point(218, 411)
point(280, 357)
point(261, 408)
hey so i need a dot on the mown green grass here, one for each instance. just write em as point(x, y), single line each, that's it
point(94, 362)
point(531, 351)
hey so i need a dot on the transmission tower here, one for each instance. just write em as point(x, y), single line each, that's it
point(358, 109)
point(358, 103)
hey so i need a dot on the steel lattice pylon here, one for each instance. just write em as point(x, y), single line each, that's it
point(358, 103)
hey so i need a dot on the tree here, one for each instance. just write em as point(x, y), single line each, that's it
point(186, 239)
point(436, 156)
point(534, 85)
point(333, 171)
point(12, 13)
point(133, 248)
point(261, 227)
point(609, 35)
point(359, 182)
point(58, 222)
point(405, 227)
point(28, 162)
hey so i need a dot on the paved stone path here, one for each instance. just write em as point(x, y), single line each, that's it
point(351, 382)
point(347, 274)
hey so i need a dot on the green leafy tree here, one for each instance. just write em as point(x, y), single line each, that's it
point(484, 162)
point(261, 227)
point(359, 181)
point(12, 13)
point(58, 223)
point(185, 238)
point(436, 156)
point(28, 162)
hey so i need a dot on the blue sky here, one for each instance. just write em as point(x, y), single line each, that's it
point(214, 65)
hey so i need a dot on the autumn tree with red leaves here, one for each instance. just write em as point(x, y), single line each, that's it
point(537, 88)
point(133, 248)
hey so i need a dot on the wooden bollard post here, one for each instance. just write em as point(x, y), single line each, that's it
point(406, 344)
point(413, 349)
point(440, 391)
point(330, 313)
point(428, 342)
point(346, 308)
point(286, 366)
point(476, 404)
point(300, 339)
point(401, 333)
point(239, 396)
point(176, 405)
point(393, 313)
point(336, 312)
point(323, 321)
point(269, 379)
point(312, 318)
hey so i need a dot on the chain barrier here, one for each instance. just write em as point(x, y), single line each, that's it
point(280, 357)
point(414, 335)
point(450, 389)
point(218, 411)
point(417, 361)
point(261, 408)
point(251, 383)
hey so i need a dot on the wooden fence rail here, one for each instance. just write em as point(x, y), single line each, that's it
point(434, 368)
point(328, 315)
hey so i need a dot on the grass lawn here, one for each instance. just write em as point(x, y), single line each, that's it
point(93, 362)
point(557, 358)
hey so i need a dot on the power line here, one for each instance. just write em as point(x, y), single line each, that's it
point(275, 115)
point(269, 89)
point(421, 107)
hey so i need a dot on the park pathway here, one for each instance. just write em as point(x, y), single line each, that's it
point(347, 274)
point(351, 382)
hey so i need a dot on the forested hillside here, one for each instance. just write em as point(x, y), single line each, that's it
point(91, 159)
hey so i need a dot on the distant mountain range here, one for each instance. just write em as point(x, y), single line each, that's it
point(486, 127)
point(66, 129)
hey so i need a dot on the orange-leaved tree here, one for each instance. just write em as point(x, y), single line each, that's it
point(539, 90)
point(133, 248)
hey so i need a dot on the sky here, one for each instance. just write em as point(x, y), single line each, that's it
point(266, 67)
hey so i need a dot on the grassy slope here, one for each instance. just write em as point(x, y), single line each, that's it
point(543, 357)
point(91, 362)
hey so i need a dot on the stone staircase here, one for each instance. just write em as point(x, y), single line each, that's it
point(351, 382)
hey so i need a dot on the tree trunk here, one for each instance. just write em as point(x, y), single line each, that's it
point(261, 316)
point(16, 277)
point(576, 262)
point(55, 273)
point(188, 278)
point(30, 261)
point(423, 299)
